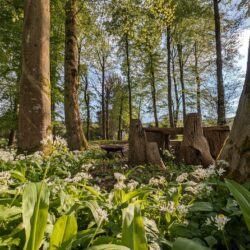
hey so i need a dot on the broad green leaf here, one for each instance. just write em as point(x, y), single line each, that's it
point(64, 232)
point(7, 212)
point(182, 243)
point(133, 231)
point(108, 247)
point(201, 207)
point(242, 196)
point(35, 213)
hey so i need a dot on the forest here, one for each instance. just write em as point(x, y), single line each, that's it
point(125, 124)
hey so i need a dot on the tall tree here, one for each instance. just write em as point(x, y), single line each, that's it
point(35, 107)
point(170, 102)
point(220, 85)
point(237, 148)
point(75, 136)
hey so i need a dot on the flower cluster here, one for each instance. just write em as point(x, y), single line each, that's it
point(220, 220)
point(102, 214)
point(181, 178)
point(156, 181)
point(80, 176)
point(120, 181)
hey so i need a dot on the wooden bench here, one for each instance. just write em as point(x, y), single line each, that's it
point(113, 149)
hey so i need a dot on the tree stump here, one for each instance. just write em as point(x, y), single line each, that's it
point(216, 137)
point(137, 143)
point(153, 155)
point(140, 150)
point(194, 148)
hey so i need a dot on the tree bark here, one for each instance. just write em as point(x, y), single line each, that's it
point(75, 136)
point(220, 85)
point(119, 136)
point(35, 93)
point(170, 103)
point(87, 102)
point(107, 112)
point(128, 77)
point(176, 115)
point(198, 80)
point(104, 133)
point(237, 148)
point(183, 90)
point(194, 148)
point(153, 91)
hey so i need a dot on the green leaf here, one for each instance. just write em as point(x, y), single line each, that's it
point(35, 213)
point(7, 212)
point(242, 196)
point(201, 207)
point(133, 231)
point(182, 243)
point(108, 247)
point(64, 232)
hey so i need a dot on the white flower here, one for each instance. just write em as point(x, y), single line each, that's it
point(221, 171)
point(6, 156)
point(132, 185)
point(170, 208)
point(222, 164)
point(200, 174)
point(162, 180)
point(172, 190)
point(119, 177)
point(154, 181)
point(182, 210)
point(191, 183)
point(209, 221)
point(102, 214)
point(182, 177)
point(119, 186)
point(220, 220)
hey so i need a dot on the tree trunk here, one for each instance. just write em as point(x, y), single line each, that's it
point(176, 115)
point(35, 107)
point(183, 90)
point(153, 91)
point(194, 148)
point(107, 113)
point(198, 81)
point(119, 136)
point(237, 148)
point(75, 136)
point(170, 103)
point(128, 77)
point(104, 133)
point(87, 102)
point(220, 85)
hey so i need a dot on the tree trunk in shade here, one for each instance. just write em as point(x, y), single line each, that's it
point(220, 85)
point(35, 105)
point(183, 90)
point(75, 136)
point(237, 147)
point(170, 102)
point(153, 90)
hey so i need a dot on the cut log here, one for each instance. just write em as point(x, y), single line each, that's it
point(216, 139)
point(137, 143)
point(160, 138)
point(194, 148)
point(153, 155)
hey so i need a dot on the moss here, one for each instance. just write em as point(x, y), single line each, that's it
point(245, 146)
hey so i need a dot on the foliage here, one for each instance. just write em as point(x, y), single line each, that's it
point(92, 202)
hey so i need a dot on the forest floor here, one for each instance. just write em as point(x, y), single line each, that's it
point(113, 203)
